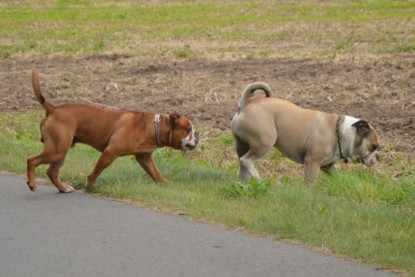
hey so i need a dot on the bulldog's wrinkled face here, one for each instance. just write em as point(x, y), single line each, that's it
point(183, 135)
point(366, 144)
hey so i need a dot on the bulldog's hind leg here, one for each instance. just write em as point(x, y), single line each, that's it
point(247, 170)
point(241, 147)
point(327, 168)
point(259, 145)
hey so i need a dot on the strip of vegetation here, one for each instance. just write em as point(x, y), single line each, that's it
point(366, 214)
point(143, 29)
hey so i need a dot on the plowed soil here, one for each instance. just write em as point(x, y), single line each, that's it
point(382, 92)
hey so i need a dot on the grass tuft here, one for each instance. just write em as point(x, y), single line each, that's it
point(405, 48)
point(254, 188)
point(366, 187)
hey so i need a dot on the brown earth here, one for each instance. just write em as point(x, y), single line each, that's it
point(381, 91)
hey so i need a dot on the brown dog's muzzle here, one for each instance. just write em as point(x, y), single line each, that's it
point(191, 142)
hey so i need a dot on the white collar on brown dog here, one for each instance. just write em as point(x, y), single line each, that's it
point(157, 121)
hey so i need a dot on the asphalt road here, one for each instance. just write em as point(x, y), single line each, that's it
point(45, 233)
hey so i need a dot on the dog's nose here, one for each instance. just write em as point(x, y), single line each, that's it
point(191, 146)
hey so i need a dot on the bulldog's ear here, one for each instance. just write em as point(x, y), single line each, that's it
point(362, 127)
point(173, 117)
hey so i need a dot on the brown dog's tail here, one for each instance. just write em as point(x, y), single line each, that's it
point(248, 93)
point(49, 107)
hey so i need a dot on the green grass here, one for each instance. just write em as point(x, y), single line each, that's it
point(361, 213)
point(90, 27)
point(364, 187)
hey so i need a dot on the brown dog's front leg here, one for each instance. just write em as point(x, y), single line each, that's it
point(147, 163)
point(103, 162)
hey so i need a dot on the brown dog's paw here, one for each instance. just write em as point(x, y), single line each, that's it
point(67, 189)
point(32, 188)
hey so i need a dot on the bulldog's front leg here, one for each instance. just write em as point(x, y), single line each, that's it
point(311, 171)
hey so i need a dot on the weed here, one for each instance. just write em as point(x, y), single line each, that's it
point(254, 188)
point(185, 52)
point(405, 48)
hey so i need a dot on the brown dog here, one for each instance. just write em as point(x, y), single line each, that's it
point(113, 132)
point(313, 138)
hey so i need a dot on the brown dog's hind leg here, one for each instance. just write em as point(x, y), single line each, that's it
point(147, 163)
point(32, 163)
point(53, 173)
point(57, 140)
point(103, 162)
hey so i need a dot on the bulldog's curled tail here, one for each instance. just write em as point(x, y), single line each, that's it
point(248, 93)
point(49, 107)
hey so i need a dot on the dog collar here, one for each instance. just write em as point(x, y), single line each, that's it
point(339, 117)
point(157, 121)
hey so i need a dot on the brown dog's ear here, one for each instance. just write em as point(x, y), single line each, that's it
point(362, 127)
point(173, 117)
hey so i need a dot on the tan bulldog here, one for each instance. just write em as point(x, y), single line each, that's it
point(313, 138)
point(113, 132)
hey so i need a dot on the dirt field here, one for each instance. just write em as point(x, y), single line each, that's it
point(382, 92)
